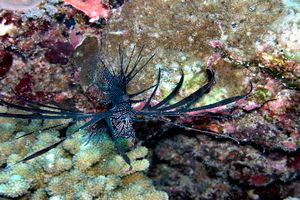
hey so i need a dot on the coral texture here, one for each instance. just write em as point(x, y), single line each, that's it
point(242, 40)
point(76, 170)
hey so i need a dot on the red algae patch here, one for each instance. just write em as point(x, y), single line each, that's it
point(19, 4)
point(6, 61)
point(259, 180)
point(59, 52)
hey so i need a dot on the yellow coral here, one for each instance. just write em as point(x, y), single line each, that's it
point(40, 194)
point(102, 184)
point(7, 129)
point(14, 187)
point(139, 190)
point(87, 156)
point(131, 178)
point(74, 170)
point(5, 150)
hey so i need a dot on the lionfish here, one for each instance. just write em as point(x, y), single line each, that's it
point(119, 118)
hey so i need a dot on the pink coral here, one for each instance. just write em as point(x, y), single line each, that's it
point(92, 8)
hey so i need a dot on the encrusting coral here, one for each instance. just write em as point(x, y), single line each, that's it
point(78, 169)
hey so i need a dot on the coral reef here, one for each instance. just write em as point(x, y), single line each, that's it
point(199, 168)
point(242, 40)
point(76, 170)
point(259, 43)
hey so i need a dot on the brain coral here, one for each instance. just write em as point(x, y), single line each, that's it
point(74, 170)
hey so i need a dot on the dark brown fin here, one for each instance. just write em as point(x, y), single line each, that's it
point(171, 95)
point(29, 109)
point(121, 57)
point(147, 105)
point(185, 112)
point(34, 104)
point(189, 100)
point(37, 116)
point(44, 129)
point(119, 148)
point(141, 92)
point(138, 70)
point(90, 123)
point(219, 103)
point(129, 60)
point(206, 132)
point(42, 151)
point(123, 154)
point(137, 101)
point(137, 61)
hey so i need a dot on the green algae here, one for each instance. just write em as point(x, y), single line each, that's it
point(262, 94)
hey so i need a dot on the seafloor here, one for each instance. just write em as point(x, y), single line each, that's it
point(249, 150)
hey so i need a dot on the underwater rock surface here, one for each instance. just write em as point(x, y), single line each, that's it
point(241, 40)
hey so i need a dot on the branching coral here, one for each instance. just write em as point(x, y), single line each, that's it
point(86, 170)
